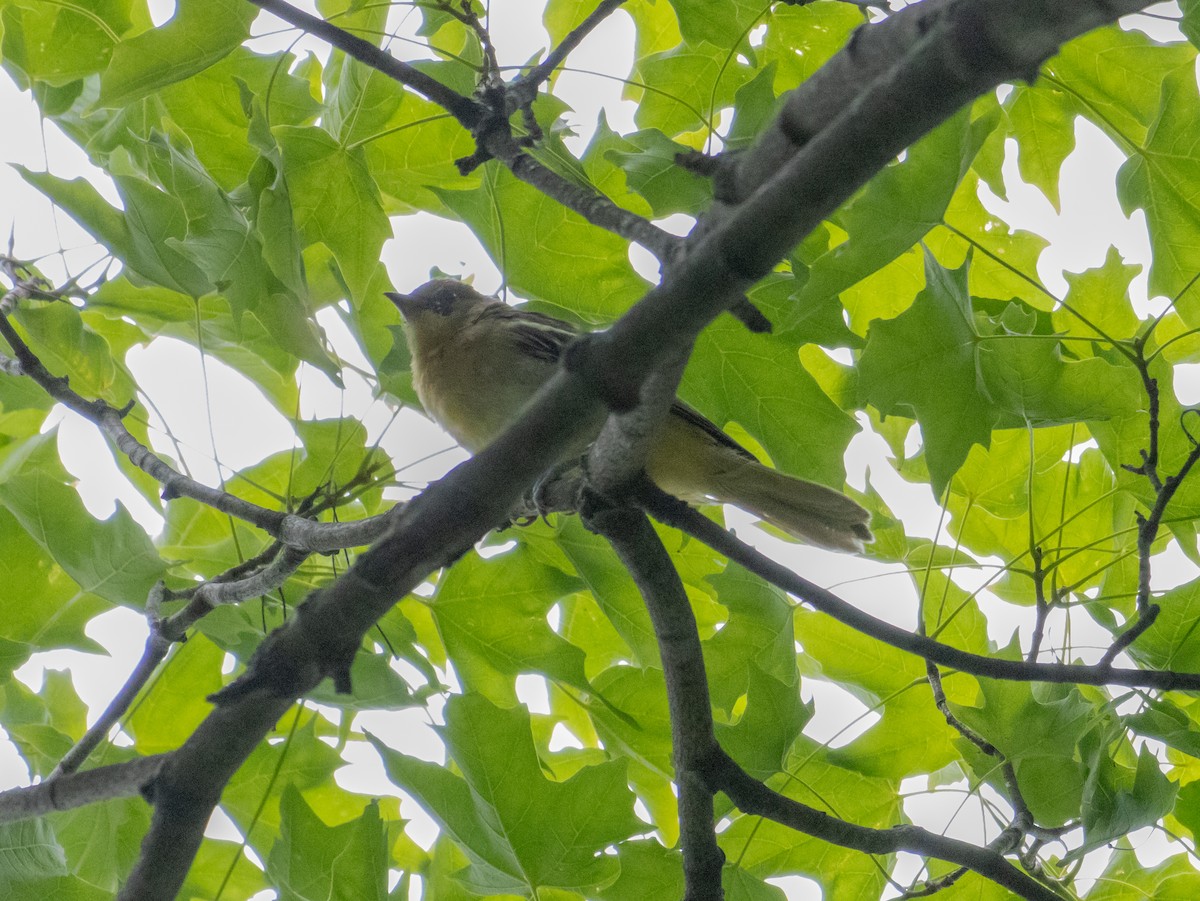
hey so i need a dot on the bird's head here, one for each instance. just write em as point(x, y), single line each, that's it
point(438, 309)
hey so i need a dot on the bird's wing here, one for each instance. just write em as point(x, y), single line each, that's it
point(710, 428)
point(545, 338)
point(541, 337)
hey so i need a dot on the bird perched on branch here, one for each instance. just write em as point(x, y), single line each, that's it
point(476, 362)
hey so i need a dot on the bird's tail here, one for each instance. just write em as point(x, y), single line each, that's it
point(805, 510)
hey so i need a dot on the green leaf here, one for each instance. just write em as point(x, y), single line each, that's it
point(1155, 180)
point(800, 39)
point(1038, 729)
point(613, 591)
point(756, 639)
point(648, 160)
point(1043, 123)
point(765, 849)
point(58, 619)
point(1169, 723)
point(547, 252)
point(897, 208)
point(335, 201)
point(1117, 75)
point(29, 850)
point(112, 558)
point(313, 861)
point(176, 702)
point(1118, 800)
point(136, 238)
point(209, 109)
point(492, 617)
point(684, 87)
point(758, 382)
point(648, 870)
point(1102, 296)
point(56, 44)
point(922, 364)
point(199, 34)
point(1126, 878)
point(520, 830)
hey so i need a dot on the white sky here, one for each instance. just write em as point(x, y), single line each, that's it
point(244, 427)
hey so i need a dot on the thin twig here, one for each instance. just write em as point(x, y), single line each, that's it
point(157, 646)
point(524, 88)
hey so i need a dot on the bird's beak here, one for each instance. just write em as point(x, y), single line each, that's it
point(404, 303)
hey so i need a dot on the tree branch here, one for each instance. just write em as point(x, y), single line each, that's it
point(69, 791)
point(524, 88)
point(692, 740)
point(673, 512)
point(752, 796)
point(157, 646)
point(464, 109)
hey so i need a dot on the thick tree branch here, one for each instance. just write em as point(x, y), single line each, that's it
point(692, 740)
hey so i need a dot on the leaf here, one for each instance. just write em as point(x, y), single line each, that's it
point(1043, 122)
point(1038, 729)
point(312, 861)
point(1156, 179)
point(800, 39)
point(521, 831)
point(112, 558)
point(29, 850)
point(685, 86)
point(897, 208)
point(546, 251)
point(1117, 74)
point(335, 201)
point(758, 382)
point(176, 702)
point(922, 364)
point(56, 44)
point(492, 617)
point(199, 34)
point(1117, 801)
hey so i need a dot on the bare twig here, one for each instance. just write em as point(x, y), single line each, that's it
point(464, 109)
point(157, 645)
point(524, 88)
point(1148, 524)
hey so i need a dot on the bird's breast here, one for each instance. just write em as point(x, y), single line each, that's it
point(475, 393)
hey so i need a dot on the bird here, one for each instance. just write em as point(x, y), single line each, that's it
point(477, 361)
